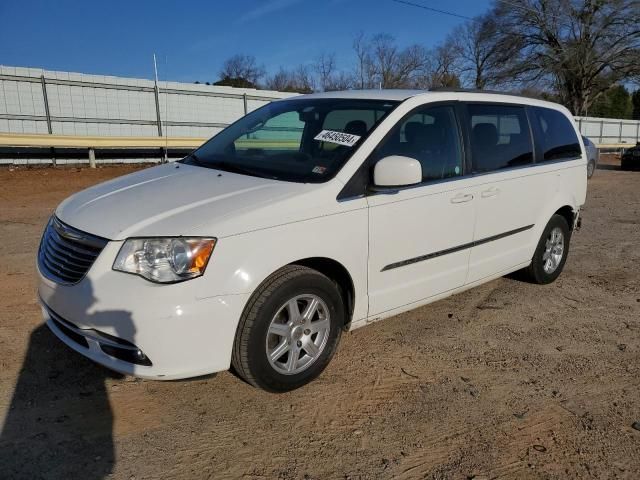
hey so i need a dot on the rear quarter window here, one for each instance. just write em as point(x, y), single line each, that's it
point(556, 134)
point(500, 137)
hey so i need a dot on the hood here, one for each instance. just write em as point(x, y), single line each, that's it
point(178, 199)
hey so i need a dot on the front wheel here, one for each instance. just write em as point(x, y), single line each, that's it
point(591, 168)
point(289, 330)
point(551, 253)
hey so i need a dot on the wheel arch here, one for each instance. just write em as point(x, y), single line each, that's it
point(337, 272)
point(568, 213)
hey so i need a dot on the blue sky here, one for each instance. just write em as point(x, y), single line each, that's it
point(192, 39)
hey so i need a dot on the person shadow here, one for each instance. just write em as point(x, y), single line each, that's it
point(60, 423)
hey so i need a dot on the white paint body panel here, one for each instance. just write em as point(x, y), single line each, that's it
point(188, 328)
point(412, 223)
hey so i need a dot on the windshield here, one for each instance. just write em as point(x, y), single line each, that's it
point(297, 140)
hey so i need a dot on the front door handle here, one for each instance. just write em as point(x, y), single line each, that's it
point(491, 192)
point(462, 198)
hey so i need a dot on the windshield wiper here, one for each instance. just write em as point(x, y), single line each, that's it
point(234, 168)
point(194, 158)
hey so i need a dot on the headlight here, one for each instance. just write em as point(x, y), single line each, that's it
point(165, 260)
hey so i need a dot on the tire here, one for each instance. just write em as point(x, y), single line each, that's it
point(591, 168)
point(540, 271)
point(272, 324)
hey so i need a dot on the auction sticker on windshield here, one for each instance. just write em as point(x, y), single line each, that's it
point(337, 137)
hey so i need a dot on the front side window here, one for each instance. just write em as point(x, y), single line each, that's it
point(500, 137)
point(429, 135)
point(297, 140)
point(558, 137)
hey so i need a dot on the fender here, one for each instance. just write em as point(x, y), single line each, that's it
point(240, 263)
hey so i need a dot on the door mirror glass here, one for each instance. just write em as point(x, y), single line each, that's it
point(397, 171)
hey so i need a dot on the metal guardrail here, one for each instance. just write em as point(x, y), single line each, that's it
point(81, 141)
point(91, 143)
point(613, 146)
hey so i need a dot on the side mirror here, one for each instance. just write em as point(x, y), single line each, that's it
point(397, 171)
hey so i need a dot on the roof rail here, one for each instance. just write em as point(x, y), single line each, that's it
point(477, 90)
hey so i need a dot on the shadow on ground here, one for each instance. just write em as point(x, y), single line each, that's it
point(608, 166)
point(60, 422)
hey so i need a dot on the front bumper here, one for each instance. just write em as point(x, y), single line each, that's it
point(179, 332)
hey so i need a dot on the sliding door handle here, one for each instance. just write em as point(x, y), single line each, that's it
point(462, 198)
point(491, 192)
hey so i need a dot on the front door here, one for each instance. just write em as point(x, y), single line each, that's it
point(420, 237)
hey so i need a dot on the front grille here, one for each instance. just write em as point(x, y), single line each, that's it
point(66, 254)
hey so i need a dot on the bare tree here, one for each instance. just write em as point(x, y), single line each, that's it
point(329, 78)
point(381, 63)
point(298, 80)
point(325, 66)
point(240, 68)
point(340, 81)
point(443, 68)
point(581, 47)
point(364, 71)
point(482, 54)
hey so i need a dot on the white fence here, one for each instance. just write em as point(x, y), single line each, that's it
point(38, 101)
point(608, 131)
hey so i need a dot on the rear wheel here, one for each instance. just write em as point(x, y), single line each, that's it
point(551, 253)
point(591, 168)
point(289, 330)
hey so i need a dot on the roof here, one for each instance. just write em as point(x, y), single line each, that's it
point(438, 94)
point(383, 94)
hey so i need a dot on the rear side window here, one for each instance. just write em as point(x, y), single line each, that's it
point(500, 137)
point(557, 135)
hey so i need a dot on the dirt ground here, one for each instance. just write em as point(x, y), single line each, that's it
point(508, 380)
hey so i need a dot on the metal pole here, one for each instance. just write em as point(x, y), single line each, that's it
point(601, 129)
point(48, 116)
point(46, 103)
point(158, 120)
point(244, 101)
point(156, 93)
point(620, 136)
point(638, 132)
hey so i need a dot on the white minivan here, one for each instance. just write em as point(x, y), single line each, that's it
point(310, 216)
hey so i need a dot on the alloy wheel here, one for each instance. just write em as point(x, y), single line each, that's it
point(298, 334)
point(554, 250)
